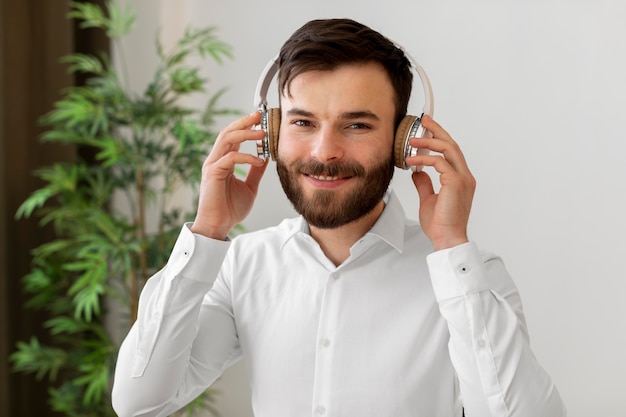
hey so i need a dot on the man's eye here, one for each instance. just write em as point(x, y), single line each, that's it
point(302, 123)
point(358, 126)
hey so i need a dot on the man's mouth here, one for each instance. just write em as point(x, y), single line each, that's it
point(324, 177)
point(329, 174)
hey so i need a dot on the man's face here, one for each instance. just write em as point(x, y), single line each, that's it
point(335, 147)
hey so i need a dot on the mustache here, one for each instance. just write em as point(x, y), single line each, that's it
point(336, 169)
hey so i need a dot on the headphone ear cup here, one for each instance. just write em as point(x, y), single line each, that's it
point(273, 126)
point(401, 139)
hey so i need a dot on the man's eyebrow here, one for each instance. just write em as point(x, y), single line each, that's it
point(349, 115)
point(299, 112)
point(362, 114)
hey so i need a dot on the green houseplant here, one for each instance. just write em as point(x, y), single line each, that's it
point(147, 147)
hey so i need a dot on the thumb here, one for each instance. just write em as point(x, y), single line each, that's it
point(423, 184)
point(255, 173)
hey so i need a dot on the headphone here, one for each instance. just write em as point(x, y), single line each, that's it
point(409, 127)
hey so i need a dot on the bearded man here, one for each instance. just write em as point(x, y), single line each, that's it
point(349, 309)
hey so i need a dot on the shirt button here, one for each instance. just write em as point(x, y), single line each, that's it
point(464, 269)
point(325, 342)
point(481, 344)
point(319, 410)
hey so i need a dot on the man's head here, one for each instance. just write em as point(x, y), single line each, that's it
point(344, 88)
point(324, 45)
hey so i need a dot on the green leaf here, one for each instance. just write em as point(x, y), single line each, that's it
point(49, 249)
point(121, 20)
point(90, 15)
point(177, 57)
point(78, 111)
point(110, 152)
point(44, 285)
point(37, 280)
point(119, 23)
point(186, 80)
point(211, 45)
point(63, 324)
point(208, 43)
point(188, 131)
point(87, 301)
point(96, 380)
point(63, 136)
point(41, 360)
point(65, 399)
point(83, 63)
point(36, 200)
point(60, 178)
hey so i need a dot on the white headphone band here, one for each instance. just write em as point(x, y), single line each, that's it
point(271, 68)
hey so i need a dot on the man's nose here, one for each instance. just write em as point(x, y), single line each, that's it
point(327, 145)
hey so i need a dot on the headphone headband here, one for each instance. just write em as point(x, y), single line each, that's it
point(271, 68)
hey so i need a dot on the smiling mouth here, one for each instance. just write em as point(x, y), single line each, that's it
point(323, 177)
point(329, 173)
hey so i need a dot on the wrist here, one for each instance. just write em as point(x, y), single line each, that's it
point(217, 233)
point(447, 243)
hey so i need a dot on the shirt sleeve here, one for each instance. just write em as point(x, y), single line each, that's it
point(162, 363)
point(489, 344)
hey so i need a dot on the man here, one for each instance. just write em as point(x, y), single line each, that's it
point(350, 309)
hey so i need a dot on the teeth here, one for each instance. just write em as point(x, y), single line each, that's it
point(324, 178)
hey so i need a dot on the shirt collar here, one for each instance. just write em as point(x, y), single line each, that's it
point(389, 226)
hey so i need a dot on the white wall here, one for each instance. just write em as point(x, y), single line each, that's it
point(535, 93)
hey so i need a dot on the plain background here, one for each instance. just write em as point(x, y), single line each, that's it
point(535, 93)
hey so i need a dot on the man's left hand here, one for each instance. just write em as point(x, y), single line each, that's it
point(443, 216)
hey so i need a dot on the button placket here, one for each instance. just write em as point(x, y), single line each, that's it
point(322, 385)
point(320, 410)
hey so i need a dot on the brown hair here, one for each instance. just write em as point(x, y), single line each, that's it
point(324, 45)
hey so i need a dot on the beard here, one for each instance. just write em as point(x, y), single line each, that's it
point(326, 209)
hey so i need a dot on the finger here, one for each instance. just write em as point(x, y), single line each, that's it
point(450, 151)
point(255, 173)
point(233, 158)
point(245, 122)
point(423, 183)
point(230, 140)
point(444, 144)
point(438, 162)
point(436, 145)
point(435, 128)
point(448, 175)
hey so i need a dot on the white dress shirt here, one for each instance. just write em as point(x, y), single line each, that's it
point(395, 330)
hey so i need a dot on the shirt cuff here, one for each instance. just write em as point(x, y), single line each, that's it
point(457, 271)
point(196, 257)
point(191, 269)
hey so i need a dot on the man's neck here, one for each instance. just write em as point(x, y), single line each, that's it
point(336, 243)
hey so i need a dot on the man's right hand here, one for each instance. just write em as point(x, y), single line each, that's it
point(225, 200)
